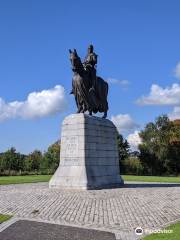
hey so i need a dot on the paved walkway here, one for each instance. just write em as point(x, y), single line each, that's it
point(120, 211)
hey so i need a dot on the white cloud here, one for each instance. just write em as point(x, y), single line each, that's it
point(177, 71)
point(161, 96)
point(134, 140)
point(175, 114)
point(122, 83)
point(124, 123)
point(38, 104)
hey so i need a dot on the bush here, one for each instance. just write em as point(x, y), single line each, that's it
point(133, 166)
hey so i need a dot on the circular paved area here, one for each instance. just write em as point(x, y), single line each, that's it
point(149, 206)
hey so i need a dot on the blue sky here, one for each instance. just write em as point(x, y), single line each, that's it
point(137, 43)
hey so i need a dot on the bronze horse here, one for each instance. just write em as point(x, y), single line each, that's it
point(87, 98)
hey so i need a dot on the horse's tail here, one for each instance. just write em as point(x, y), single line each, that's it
point(102, 88)
point(103, 85)
point(107, 88)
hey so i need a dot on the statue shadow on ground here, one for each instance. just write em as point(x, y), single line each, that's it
point(150, 185)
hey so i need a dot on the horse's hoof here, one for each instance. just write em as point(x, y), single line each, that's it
point(105, 115)
point(90, 113)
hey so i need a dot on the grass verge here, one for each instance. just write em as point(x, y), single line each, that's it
point(46, 178)
point(173, 235)
point(4, 218)
point(151, 179)
point(24, 179)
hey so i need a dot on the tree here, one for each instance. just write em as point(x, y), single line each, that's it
point(133, 165)
point(174, 148)
point(157, 153)
point(11, 161)
point(51, 158)
point(33, 161)
point(123, 149)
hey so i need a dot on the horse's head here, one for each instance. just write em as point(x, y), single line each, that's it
point(75, 60)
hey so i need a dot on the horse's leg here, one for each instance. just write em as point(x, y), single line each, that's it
point(83, 108)
point(90, 112)
point(105, 115)
point(79, 109)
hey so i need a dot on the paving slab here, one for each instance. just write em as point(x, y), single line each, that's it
point(28, 230)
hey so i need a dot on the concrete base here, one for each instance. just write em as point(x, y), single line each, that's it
point(89, 155)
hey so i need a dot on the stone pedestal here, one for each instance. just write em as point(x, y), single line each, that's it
point(89, 156)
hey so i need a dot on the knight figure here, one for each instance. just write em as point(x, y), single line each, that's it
point(89, 64)
point(90, 91)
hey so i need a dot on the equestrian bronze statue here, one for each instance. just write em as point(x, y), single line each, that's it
point(90, 90)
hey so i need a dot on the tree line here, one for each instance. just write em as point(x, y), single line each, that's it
point(158, 153)
point(15, 163)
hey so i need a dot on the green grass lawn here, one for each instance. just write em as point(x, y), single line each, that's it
point(4, 218)
point(151, 179)
point(46, 178)
point(24, 179)
point(175, 235)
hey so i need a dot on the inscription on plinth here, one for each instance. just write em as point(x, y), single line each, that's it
point(70, 161)
point(70, 146)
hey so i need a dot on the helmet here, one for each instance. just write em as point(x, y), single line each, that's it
point(91, 47)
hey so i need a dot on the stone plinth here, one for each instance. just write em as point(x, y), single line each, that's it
point(89, 156)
